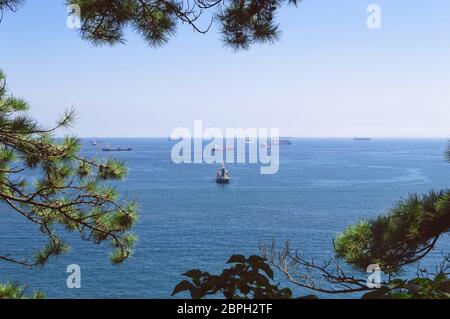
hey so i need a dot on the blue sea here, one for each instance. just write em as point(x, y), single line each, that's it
point(188, 221)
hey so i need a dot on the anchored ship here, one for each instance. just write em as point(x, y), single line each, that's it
point(217, 148)
point(282, 142)
point(118, 149)
point(222, 175)
point(172, 139)
point(278, 142)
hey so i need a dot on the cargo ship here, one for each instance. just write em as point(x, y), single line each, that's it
point(117, 149)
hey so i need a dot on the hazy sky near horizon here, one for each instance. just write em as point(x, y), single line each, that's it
point(329, 76)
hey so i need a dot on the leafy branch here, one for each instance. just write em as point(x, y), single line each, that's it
point(68, 190)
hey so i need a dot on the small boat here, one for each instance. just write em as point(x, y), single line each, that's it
point(279, 142)
point(359, 139)
point(282, 142)
point(93, 142)
point(221, 149)
point(222, 175)
point(118, 149)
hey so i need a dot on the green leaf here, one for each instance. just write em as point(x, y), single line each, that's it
point(440, 278)
point(182, 286)
point(401, 295)
point(261, 280)
point(266, 268)
point(445, 286)
point(236, 259)
point(287, 293)
point(255, 260)
point(194, 273)
point(376, 294)
point(397, 284)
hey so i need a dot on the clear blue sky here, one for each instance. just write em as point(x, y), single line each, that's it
point(328, 76)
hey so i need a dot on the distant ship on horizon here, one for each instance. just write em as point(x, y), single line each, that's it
point(277, 142)
point(217, 148)
point(172, 139)
point(118, 149)
point(362, 138)
point(283, 142)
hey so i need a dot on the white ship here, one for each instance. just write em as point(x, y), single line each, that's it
point(222, 175)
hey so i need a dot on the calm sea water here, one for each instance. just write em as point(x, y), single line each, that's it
point(187, 221)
